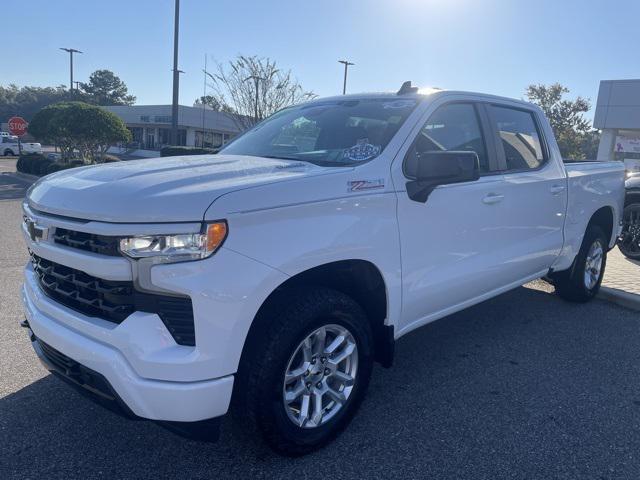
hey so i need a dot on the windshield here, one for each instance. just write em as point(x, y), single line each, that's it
point(332, 133)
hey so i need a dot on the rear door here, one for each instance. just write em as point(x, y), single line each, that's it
point(534, 189)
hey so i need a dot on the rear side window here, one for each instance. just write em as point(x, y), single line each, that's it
point(519, 137)
point(452, 127)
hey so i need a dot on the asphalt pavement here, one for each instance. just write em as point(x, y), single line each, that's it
point(523, 386)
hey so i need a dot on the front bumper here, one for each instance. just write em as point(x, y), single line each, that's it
point(96, 387)
point(173, 401)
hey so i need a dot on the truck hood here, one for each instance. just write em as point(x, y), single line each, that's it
point(158, 190)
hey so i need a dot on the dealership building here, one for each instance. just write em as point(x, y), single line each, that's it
point(618, 116)
point(150, 126)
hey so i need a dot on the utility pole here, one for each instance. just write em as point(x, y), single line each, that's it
point(71, 51)
point(256, 79)
point(176, 76)
point(204, 94)
point(346, 66)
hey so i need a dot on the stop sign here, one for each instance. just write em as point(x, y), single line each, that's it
point(17, 126)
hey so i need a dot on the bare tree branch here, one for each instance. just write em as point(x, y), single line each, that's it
point(234, 89)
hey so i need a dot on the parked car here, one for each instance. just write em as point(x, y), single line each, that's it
point(629, 242)
point(9, 145)
point(272, 275)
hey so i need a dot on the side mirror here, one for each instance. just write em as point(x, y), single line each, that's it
point(435, 168)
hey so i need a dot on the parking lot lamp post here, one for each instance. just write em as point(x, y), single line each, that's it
point(346, 66)
point(71, 52)
point(256, 79)
point(176, 76)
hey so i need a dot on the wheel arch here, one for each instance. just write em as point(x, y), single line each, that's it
point(604, 218)
point(359, 279)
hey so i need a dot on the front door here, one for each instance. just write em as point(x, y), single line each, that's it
point(450, 244)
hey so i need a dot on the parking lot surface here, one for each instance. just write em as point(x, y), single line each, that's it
point(522, 386)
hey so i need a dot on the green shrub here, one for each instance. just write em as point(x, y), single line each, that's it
point(37, 164)
point(177, 151)
point(33, 163)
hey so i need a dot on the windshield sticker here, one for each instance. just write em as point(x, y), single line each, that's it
point(361, 185)
point(361, 151)
point(399, 104)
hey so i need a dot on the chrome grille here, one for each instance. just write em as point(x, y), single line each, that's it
point(89, 242)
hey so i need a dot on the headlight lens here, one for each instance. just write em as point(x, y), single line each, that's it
point(177, 248)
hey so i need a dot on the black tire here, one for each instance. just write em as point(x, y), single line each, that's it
point(258, 395)
point(630, 236)
point(571, 284)
point(8, 153)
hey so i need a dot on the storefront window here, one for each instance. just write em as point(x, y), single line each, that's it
point(209, 139)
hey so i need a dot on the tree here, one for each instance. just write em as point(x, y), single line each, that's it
point(72, 126)
point(253, 88)
point(213, 103)
point(106, 88)
point(574, 134)
point(27, 101)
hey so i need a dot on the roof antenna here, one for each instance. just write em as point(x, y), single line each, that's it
point(407, 88)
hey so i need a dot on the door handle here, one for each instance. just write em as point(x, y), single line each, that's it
point(492, 198)
point(556, 189)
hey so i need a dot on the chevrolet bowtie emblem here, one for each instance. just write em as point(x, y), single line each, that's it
point(36, 232)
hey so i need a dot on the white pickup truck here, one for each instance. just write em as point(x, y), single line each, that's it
point(9, 145)
point(271, 276)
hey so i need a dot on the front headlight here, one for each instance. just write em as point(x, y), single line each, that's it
point(176, 248)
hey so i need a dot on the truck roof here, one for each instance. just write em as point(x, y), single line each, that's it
point(421, 95)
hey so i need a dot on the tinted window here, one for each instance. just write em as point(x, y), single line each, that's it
point(520, 138)
point(453, 127)
point(340, 132)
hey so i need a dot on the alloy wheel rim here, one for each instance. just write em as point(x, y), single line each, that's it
point(593, 265)
point(320, 376)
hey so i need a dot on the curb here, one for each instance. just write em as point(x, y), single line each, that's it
point(620, 297)
point(26, 176)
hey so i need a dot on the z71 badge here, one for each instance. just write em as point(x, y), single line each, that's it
point(362, 185)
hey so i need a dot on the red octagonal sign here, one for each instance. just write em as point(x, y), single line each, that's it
point(17, 126)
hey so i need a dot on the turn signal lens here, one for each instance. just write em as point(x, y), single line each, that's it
point(216, 233)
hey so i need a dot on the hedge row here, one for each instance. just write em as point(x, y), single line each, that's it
point(177, 151)
point(38, 164)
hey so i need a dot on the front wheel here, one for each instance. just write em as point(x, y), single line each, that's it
point(629, 242)
point(303, 382)
point(582, 281)
point(8, 153)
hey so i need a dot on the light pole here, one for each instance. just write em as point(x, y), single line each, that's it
point(176, 76)
point(346, 66)
point(256, 79)
point(71, 51)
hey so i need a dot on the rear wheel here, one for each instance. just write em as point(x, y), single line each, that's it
point(8, 152)
point(303, 381)
point(582, 281)
point(629, 242)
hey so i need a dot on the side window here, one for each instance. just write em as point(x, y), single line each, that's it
point(453, 127)
point(520, 138)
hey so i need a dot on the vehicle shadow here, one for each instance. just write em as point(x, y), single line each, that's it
point(12, 187)
point(521, 386)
